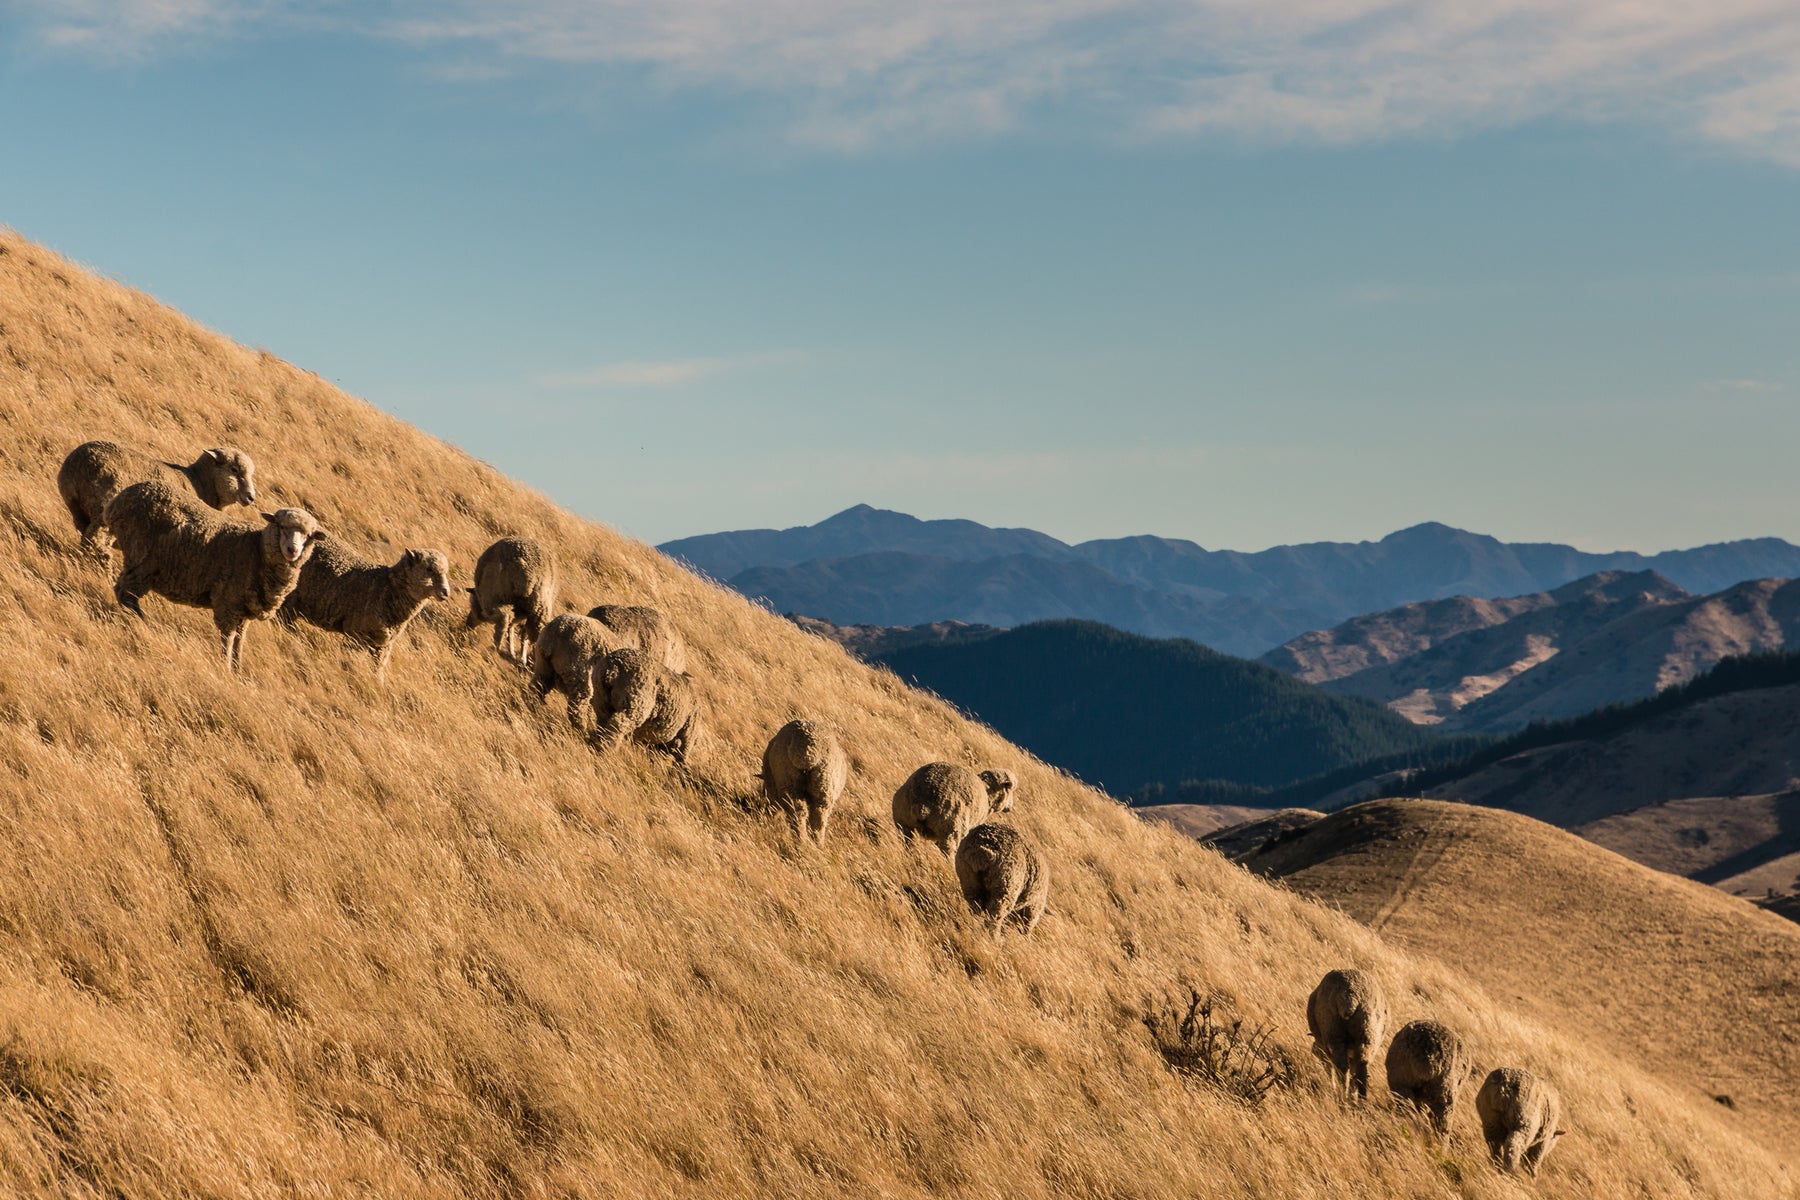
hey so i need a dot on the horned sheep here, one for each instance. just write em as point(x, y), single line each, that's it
point(1002, 876)
point(942, 801)
point(1519, 1115)
point(638, 698)
point(1347, 1015)
point(645, 628)
point(804, 764)
point(95, 472)
point(178, 549)
point(368, 602)
point(1426, 1066)
point(515, 590)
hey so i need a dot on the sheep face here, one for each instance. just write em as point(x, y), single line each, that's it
point(425, 574)
point(230, 475)
point(1000, 786)
point(294, 533)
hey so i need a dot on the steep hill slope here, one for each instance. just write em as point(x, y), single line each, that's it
point(866, 565)
point(1123, 711)
point(1494, 666)
point(306, 933)
point(1674, 975)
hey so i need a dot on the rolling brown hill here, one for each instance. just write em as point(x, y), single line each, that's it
point(306, 933)
point(1740, 744)
point(1494, 666)
point(1677, 977)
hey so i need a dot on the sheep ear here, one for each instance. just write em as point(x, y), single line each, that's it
point(317, 535)
point(216, 455)
point(268, 516)
point(471, 591)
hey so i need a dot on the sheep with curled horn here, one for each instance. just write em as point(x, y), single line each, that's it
point(95, 472)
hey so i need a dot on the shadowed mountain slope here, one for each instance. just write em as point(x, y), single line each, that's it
point(303, 932)
point(1669, 973)
point(1123, 711)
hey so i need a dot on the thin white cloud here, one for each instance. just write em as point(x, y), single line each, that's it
point(854, 73)
point(1741, 385)
point(666, 373)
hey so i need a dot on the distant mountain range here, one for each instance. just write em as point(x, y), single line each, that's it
point(868, 565)
point(1491, 666)
point(1126, 712)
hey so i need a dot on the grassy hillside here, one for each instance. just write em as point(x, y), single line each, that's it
point(1124, 710)
point(1666, 972)
point(304, 933)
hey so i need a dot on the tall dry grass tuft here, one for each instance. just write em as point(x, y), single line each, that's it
point(307, 933)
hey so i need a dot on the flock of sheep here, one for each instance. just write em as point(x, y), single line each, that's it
point(623, 671)
point(1426, 1067)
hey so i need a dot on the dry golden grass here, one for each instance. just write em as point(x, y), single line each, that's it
point(300, 933)
point(1694, 985)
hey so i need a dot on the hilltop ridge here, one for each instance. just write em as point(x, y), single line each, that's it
point(873, 566)
point(308, 932)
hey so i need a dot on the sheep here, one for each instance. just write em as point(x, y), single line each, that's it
point(646, 629)
point(367, 602)
point(515, 590)
point(1002, 876)
point(942, 802)
point(1426, 1065)
point(636, 697)
point(1519, 1115)
point(1347, 1015)
point(181, 551)
point(564, 657)
point(804, 763)
point(95, 472)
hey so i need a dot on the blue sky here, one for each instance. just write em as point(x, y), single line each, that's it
point(1241, 272)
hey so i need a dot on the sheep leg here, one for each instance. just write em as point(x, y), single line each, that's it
point(1439, 1101)
point(543, 679)
point(1357, 1079)
point(816, 816)
point(581, 696)
point(503, 633)
point(130, 589)
point(231, 640)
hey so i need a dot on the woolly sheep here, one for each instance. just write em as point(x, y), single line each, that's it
point(942, 801)
point(182, 551)
point(645, 628)
point(1002, 876)
point(1347, 1015)
point(515, 590)
point(367, 602)
point(1519, 1116)
point(564, 658)
point(95, 472)
point(636, 697)
point(1426, 1065)
point(804, 764)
